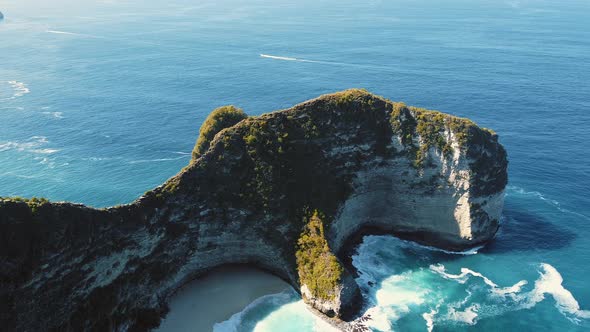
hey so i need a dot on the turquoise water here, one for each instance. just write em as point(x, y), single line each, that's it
point(102, 100)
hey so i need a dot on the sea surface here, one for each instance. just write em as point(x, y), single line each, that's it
point(102, 100)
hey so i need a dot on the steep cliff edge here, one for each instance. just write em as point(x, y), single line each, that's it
point(285, 191)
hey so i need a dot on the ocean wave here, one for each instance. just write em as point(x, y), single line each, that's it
point(472, 251)
point(31, 145)
point(400, 278)
point(271, 313)
point(550, 282)
point(513, 298)
point(429, 318)
point(57, 115)
point(19, 89)
point(556, 204)
point(522, 191)
point(236, 322)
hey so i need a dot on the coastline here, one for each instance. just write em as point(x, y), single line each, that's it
point(216, 296)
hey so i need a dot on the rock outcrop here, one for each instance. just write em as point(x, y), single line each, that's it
point(285, 191)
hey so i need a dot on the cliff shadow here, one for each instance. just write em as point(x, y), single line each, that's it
point(524, 230)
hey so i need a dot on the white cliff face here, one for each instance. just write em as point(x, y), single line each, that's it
point(435, 204)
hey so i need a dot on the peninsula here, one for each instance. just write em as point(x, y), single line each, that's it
point(286, 191)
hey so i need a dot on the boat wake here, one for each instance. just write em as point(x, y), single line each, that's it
point(284, 58)
point(514, 190)
point(57, 32)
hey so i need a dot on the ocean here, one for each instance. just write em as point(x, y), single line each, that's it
point(101, 100)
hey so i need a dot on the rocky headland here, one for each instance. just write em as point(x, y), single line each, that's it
point(287, 192)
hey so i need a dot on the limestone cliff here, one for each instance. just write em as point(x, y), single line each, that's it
point(285, 191)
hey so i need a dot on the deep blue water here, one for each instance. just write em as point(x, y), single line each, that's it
point(102, 100)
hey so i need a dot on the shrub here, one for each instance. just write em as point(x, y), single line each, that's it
point(317, 266)
point(221, 118)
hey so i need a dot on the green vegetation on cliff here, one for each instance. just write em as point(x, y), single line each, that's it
point(317, 266)
point(33, 203)
point(421, 129)
point(243, 197)
point(221, 118)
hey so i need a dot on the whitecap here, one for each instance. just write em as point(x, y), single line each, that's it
point(57, 115)
point(45, 151)
point(467, 316)
point(19, 89)
point(512, 298)
point(551, 282)
point(429, 318)
point(463, 277)
point(31, 145)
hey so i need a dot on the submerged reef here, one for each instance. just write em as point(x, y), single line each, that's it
point(286, 191)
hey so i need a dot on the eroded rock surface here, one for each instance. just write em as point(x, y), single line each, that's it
point(285, 191)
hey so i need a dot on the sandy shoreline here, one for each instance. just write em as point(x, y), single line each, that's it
point(216, 296)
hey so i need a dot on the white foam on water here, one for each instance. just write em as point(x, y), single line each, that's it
point(31, 145)
point(58, 32)
point(19, 89)
point(550, 282)
point(45, 151)
point(552, 202)
point(393, 291)
point(285, 58)
point(463, 277)
point(516, 288)
point(236, 320)
point(429, 318)
point(512, 298)
point(467, 316)
point(289, 313)
point(472, 251)
point(57, 115)
point(296, 316)
point(522, 191)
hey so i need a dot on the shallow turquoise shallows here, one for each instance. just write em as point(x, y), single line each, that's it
point(102, 100)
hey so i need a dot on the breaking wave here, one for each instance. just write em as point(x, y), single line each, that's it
point(513, 298)
point(402, 279)
point(273, 313)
